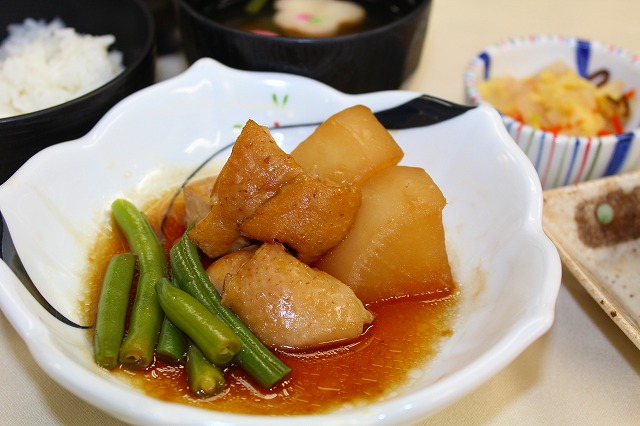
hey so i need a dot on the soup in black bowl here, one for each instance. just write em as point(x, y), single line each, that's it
point(379, 52)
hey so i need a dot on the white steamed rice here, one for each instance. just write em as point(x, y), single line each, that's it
point(42, 65)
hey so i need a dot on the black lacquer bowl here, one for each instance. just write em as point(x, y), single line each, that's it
point(132, 25)
point(377, 59)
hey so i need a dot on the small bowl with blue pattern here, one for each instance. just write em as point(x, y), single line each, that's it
point(562, 156)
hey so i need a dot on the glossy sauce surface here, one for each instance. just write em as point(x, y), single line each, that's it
point(403, 337)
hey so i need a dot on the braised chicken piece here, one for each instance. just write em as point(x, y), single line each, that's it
point(288, 304)
point(307, 215)
point(250, 195)
point(255, 170)
point(225, 267)
point(197, 199)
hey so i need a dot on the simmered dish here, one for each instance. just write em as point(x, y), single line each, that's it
point(286, 284)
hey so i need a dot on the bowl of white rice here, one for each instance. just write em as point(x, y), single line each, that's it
point(63, 65)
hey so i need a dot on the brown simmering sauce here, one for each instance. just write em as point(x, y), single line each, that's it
point(405, 334)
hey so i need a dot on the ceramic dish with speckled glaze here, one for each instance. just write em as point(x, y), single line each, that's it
point(596, 227)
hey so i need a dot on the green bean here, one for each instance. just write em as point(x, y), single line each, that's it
point(205, 379)
point(146, 317)
point(172, 343)
point(255, 358)
point(112, 309)
point(214, 338)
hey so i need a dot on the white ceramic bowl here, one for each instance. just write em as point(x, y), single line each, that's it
point(508, 271)
point(561, 159)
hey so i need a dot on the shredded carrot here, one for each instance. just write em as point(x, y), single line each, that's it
point(630, 93)
point(616, 124)
point(555, 129)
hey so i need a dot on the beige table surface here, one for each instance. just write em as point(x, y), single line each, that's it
point(584, 371)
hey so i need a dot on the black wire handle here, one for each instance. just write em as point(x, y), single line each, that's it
point(10, 256)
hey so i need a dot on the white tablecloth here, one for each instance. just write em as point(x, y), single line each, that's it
point(583, 371)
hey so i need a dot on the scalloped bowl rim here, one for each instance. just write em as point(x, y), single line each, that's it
point(50, 342)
